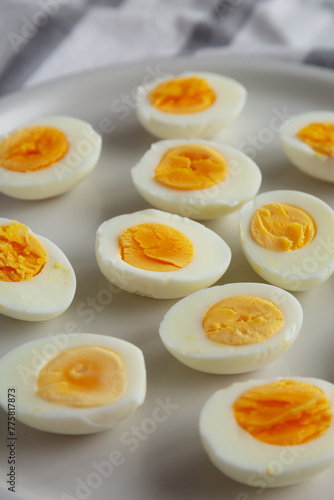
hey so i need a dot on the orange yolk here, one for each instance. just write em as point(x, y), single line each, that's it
point(242, 320)
point(183, 95)
point(281, 227)
point(284, 412)
point(22, 256)
point(32, 149)
point(83, 377)
point(155, 247)
point(191, 166)
point(320, 136)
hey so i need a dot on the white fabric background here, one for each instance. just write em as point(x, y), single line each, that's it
point(46, 39)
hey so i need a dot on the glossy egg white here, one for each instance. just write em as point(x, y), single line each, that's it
point(83, 154)
point(247, 460)
point(302, 155)
point(212, 257)
point(294, 270)
point(20, 368)
point(230, 99)
point(241, 184)
point(183, 335)
point(46, 295)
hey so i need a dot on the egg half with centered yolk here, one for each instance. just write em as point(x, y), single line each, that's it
point(160, 255)
point(189, 105)
point(268, 433)
point(47, 157)
point(74, 383)
point(198, 179)
point(37, 282)
point(308, 141)
point(288, 238)
point(232, 328)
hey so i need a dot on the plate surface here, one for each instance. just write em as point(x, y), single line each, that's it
point(156, 457)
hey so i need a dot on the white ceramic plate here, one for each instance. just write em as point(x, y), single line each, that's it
point(159, 452)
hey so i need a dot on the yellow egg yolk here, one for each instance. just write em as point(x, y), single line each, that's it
point(285, 412)
point(32, 149)
point(320, 136)
point(183, 95)
point(242, 320)
point(22, 256)
point(281, 227)
point(155, 247)
point(191, 166)
point(83, 377)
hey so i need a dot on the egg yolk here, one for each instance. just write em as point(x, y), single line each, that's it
point(191, 166)
point(32, 149)
point(320, 136)
point(281, 227)
point(22, 256)
point(242, 320)
point(285, 412)
point(83, 377)
point(183, 95)
point(155, 247)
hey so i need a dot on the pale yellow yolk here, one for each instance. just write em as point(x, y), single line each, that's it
point(33, 148)
point(83, 377)
point(22, 256)
point(320, 136)
point(155, 247)
point(285, 412)
point(242, 320)
point(282, 227)
point(191, 166)
point(183, 95)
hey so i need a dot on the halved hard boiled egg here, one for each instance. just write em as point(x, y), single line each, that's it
point(232, 328)
point(160, 255)
point(308, 141)
point(37, 282)
point(190, 105)
point(198, 179)
point(47, 157)
point(74, 383)
point(268, 433)
point(288, 238)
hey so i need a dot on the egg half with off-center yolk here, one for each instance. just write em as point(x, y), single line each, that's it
point(189, 105)
point(232, 328)
point(268, 433)
point(288, 238)
point(37, 282)
point(74, 383)
point(47, 157)
point(160, 255)
point(308, 141)
point(197, 179)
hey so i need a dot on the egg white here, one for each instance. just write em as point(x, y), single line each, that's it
point(212, 257)
point(241, 184)
point(20, 368)
point(230, 99)
point(245, 459)
point(46, 295)
point(301, 154)
point(183, 335)
point(295, 270)
point(83, 154)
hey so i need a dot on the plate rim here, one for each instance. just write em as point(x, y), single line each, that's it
point(253, 63)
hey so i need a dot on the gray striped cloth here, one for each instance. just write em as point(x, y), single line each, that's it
point(47, 39)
